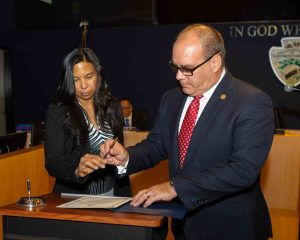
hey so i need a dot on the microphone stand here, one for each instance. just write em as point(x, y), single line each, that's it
point(29, 201)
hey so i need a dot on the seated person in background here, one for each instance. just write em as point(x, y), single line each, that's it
point(83, 115)
point(132, 119)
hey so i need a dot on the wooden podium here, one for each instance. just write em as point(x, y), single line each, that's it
point(280, 182)
point(49, 222)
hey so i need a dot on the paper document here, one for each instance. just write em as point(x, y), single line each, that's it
point(96, 202)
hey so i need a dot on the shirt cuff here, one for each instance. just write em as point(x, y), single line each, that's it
point(123, 169)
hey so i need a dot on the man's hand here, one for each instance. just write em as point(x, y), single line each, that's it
point(116, 155)
point(160, 192)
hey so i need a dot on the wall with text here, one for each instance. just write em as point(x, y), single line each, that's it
point(136, 58)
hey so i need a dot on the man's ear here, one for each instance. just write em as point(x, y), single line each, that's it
point(216, 62)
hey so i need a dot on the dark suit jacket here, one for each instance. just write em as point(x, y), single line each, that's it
point(62, 154)
point(219, 182)
point(139, 120)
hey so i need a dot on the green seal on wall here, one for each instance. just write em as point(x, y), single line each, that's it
point(285, 61)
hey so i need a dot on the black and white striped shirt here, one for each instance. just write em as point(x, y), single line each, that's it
point(102, 180)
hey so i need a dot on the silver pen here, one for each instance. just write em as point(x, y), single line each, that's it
point(28, 188)
point(110, 147)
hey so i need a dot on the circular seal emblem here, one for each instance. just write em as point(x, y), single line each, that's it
point(285, 61)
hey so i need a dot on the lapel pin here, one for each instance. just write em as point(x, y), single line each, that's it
point(223, 96)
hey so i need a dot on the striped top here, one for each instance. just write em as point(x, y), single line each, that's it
point(101, 180)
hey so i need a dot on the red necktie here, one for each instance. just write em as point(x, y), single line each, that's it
point(187, 128)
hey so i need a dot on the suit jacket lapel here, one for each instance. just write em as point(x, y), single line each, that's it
point(219, 98)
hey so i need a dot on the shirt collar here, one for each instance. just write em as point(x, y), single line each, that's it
point(210, 92)
point(130, 116)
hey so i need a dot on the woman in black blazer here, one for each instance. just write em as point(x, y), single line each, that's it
point(83, 115)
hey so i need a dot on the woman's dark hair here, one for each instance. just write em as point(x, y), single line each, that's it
point(107, 107)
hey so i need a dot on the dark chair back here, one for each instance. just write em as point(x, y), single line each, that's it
point(12, 142)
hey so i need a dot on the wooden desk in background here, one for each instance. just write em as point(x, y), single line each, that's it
point(78, 224)
point(148, 177)
point(133, 137)
point(280, 182)
point(281, 173)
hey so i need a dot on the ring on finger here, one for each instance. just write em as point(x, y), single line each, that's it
point(147, 195)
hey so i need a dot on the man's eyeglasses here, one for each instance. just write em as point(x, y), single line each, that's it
point(189, 71)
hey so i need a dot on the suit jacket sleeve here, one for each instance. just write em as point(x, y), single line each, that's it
point(229, 146)
point(61, 154)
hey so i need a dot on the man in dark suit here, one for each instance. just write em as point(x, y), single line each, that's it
point(133, 119)
point(215, 174)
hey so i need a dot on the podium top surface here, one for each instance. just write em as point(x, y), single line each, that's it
point(50, 211)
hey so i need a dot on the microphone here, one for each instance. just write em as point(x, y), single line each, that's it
point(289, 88)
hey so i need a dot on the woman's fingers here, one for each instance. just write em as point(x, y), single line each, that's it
point(89, 163)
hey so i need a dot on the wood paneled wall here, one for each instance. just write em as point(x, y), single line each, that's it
point(15, 168)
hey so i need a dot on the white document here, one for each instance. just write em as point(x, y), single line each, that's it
point(96, 202)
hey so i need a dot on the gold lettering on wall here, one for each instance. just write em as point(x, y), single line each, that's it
point(236, 31)
point(264, 30)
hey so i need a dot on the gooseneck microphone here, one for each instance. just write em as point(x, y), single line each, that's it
point(289, 88)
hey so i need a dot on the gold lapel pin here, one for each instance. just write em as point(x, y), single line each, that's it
point(223, 96)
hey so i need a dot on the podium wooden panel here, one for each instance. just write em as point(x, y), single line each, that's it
point(280, 179)
point(280, 182)
point(15, 168)
point(280, 175)
point(78, 224)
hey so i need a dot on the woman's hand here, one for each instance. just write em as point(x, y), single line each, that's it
point(89, 163)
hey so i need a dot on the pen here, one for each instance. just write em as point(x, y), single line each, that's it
point(28, 188)
point(110, 147)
